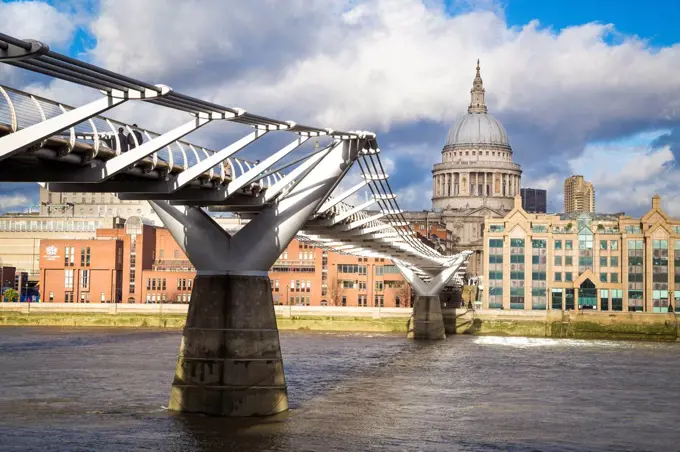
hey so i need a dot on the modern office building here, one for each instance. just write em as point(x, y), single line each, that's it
point(583, 260)
point(534, 200)
point(141, 263)
point(579, 195)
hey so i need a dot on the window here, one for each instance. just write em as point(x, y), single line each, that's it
point(68, 278)
point(363, 301)
point(352, 268)
point(617, 300)
point(603, 277)
point(603, 244)
point(362, 285)
point(557, 299)
point(68, 297)
point(604, 299)
point(558, 244)
point(85, 279)
point(378, 270)
point(614, 277)
point(567, 276)
point(558, 276)
point(69, 256)
point(495, 243)
point(568, 260)
point(614, 245)
point(346, 284)
point(379, 301)
point(496, 228)
point(517, 268)
point(614, 261)
point(538, 298)
point(495, 297)
point(635, 268)
point(539, 228)
point(558, 260)
point(603, 261)
point(632, 229)
point(344, 300)
point(379, 286)
point(635, 300)
point(85, 257)
point(568, 244)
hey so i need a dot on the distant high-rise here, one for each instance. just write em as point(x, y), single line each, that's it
point(534, 200)
point(579, 195)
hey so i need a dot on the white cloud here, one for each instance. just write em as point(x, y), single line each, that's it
point(12, 201)
point(36, 20)
point(385, 64)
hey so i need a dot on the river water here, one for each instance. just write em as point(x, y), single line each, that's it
point(105, 390)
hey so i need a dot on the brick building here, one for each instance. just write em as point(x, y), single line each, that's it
point(142, 263)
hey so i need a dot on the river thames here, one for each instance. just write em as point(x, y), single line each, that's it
point(106, 390)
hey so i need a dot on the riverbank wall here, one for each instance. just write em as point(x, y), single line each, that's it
point(552, 324)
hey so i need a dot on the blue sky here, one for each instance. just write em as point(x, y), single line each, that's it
point(573, 97)
point(655, 21)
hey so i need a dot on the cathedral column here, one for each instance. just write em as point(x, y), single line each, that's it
point(511, 184)
point(448, 184)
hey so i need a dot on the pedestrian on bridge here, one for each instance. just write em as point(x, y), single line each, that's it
point(122, 140)
point(134, 134)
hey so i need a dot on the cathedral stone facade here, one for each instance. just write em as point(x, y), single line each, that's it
point(475, 180)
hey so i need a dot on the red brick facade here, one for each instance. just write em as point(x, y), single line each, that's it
point(144, 264)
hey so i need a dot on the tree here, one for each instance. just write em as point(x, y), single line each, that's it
point(568, 227)
point(334, 291)
point(402, 292)
point(600, 227)
point(11, 295)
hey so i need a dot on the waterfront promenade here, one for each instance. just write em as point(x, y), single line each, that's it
point(489, 322)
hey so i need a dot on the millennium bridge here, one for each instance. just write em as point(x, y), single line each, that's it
point(229, 362)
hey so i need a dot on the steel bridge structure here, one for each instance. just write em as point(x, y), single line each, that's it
point(230, 361)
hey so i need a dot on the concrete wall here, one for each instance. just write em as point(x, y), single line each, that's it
point(553, 324)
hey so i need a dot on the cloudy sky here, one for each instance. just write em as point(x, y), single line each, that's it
point(593, 89)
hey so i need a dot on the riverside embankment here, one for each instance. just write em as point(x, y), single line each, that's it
point(553, 324)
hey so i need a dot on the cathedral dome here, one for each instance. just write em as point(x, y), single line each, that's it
point(477, 128)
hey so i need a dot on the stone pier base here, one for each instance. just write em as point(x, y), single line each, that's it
point(427, 321)
point(230, 362)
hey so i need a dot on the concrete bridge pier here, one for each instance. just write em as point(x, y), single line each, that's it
point(427, 321)
point(230, 362)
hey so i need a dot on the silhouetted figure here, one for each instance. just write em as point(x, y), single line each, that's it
point(122, 140)
point(137, 135)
